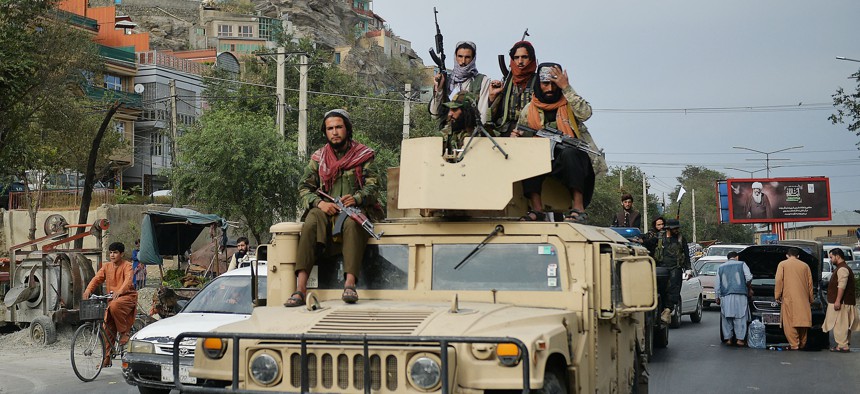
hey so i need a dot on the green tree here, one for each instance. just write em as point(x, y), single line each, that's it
point(48, 124)
point(848, 107)
point(708, 226)
point(234, 163)
point(607, 196)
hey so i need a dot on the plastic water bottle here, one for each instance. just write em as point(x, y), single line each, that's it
point(757, 335)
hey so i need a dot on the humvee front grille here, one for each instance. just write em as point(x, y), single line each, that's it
point(327, 371)
point(364, 349)
point(370, 322)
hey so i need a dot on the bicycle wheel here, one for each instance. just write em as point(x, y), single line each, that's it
point(88, 351)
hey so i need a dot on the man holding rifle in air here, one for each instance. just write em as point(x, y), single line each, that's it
point(341, 168)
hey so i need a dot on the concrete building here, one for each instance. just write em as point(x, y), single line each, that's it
point(238, 34)
point(154, 149)
point(841, 229)
point(117, 43)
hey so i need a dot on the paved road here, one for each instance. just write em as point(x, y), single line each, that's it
point(696, 362)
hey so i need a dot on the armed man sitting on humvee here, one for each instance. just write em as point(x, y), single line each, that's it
point(462, 120)
point(340, 168)
point(556, 104)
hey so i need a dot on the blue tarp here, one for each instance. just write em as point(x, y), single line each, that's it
point(171, 233)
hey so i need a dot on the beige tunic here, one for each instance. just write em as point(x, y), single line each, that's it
point(794, 289)
point(847, 315)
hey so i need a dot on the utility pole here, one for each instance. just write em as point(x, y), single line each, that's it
point(644, 203)
point(280, 91)
point(173, 119)
point(694, 215)
point(406, 109)
point(620, 178)
point(303, 106)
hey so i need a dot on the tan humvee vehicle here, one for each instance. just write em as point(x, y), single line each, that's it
point(456, 297)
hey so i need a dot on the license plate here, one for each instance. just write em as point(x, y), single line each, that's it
point(709, 296)
point(770, 318)
point(184, 377)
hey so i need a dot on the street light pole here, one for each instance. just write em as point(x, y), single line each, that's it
point(767, 155)
point(747, 171)
point(847, 59)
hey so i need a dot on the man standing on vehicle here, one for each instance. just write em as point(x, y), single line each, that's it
point(242, 250)
point(464, 77)
point(732, 286)
point(118, 277)
point(841, 300)
point(627, 217)
point(794, 290)
point(341, 168)
point(556, 104)
point(649, 240)
point(672, 253)
point(509, 97)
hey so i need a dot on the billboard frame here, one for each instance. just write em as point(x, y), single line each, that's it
point(731, 204)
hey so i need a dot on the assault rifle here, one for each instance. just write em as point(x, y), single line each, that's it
point(439, 60)
point(349, 212)
point(556, 138)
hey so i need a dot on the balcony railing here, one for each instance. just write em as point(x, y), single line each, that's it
point(117, 55)
point(61, 199)
point(77, 20)
point(172, 62)
point(128, 99)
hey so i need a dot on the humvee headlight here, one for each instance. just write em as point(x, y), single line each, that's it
point(141, 347)
point(214, 348)
point(425, 372)
point(264, 368)
point(508, 354)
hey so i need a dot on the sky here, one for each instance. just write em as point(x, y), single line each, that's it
point(763, 71)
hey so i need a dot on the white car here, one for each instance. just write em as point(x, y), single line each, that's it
point(148, 363)
point(717, 253)
point(691, 300)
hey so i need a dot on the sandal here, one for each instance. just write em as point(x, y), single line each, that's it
point(740, 343)
point(533, 216)
point(576, 216)
point(840, 350)
point(350, 296)
point(296, 299)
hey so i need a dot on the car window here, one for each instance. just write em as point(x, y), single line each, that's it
point(496, 266)
point(709, 269)
point(722, 251)
point(226, 294)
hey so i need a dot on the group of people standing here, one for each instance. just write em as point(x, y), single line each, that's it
point(793, 290)
point(533, 95)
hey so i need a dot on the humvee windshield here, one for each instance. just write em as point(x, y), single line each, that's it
point(530, 267)
point(385, 267)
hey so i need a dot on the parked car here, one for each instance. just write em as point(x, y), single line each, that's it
point(148, 364)
point(5, 189)
point(718, 253)
point(707, 276)
point(763, 261)
point(691, 300)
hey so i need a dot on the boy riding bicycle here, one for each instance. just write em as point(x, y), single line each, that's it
point(119, 278)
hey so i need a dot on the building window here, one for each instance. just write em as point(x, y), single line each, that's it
point(246, 31)
point(113, 82)
point(120, 128)
point(829, 233)
point(225, 30)
point(337, 58)
point(156, 144)
point(201, 32)
point(850, 232)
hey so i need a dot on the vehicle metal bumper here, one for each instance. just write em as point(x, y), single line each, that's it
point(365, 341)
point(144, 369)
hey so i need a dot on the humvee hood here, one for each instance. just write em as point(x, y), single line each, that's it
point(373, 317)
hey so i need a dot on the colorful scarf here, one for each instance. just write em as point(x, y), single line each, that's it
point(331, 167)
point(564, 118)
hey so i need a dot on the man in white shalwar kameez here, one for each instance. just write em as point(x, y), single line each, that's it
point(731, 285)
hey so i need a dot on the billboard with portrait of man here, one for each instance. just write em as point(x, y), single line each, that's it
point(777, 200)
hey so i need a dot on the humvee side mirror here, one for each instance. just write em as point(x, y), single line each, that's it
point(636, 283)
